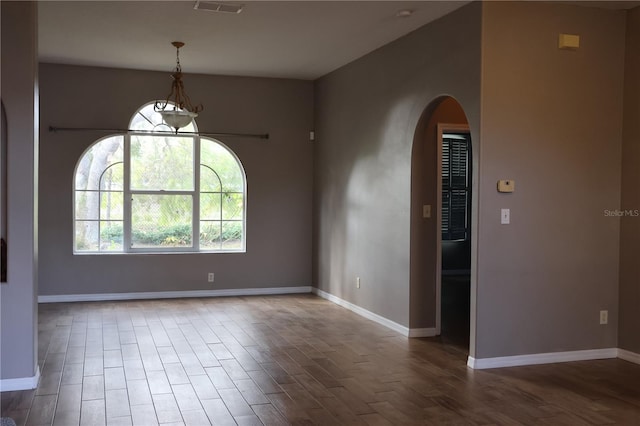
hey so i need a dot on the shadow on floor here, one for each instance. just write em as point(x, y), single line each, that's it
point(456, 303)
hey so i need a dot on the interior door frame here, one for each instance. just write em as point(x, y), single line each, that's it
point(3, 192)
point(442, 128)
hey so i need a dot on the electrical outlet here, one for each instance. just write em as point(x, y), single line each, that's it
point(358, 282)
point(210, 277)
point(604, 317)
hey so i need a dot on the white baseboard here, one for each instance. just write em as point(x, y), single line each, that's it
point(171, 294)
point(422, 332)
point(413, 332)
point(629, 356)
point(21, 383)
point(544, 358)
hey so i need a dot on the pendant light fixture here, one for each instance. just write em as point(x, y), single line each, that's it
point(177, 110)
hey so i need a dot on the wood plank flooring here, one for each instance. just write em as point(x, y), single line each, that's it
point(283, 360)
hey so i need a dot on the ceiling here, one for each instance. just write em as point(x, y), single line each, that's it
point(292, 39)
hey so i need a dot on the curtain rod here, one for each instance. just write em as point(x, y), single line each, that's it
point(87, 129)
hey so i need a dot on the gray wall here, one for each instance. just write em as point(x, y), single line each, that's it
point(19, 315)
point(366, 118)
point(279, 179)
point(551, 120)
point(629, 338)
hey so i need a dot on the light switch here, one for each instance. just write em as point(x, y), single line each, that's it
point(505, 216)
point(426, 211)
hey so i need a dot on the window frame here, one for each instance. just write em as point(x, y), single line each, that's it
point(128, 195)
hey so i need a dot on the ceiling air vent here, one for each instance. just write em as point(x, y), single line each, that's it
point(218, 7)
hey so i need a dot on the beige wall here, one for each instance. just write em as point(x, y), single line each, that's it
point(19, 324)
point(279, 179)
point(366, 118)
point(630, 225)
point(551, 120)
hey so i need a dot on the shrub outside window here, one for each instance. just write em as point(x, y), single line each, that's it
point(152, 190)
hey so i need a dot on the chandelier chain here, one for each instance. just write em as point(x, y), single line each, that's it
point(178, 67)
point(177, 95)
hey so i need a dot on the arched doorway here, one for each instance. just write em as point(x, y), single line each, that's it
point(441, 223)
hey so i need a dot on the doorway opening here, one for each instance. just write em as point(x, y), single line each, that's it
point(442, 170)
point(454, 224)
point(3, 194)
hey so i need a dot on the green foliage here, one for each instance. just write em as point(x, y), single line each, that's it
point(213, 232)
point(162, 163)
point(174, 236)
point(111, 236)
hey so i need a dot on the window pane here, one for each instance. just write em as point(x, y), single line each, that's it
point(111, 207)
point(161, 221)
point(111, 236)
point(86, 235)
point(96, 160)
point(162, 163)
point(209, 180)
point(232, 206)
point(113, 178)
point(210, 206)
point(210, 232)
point(220, 159)
point(232, 235)
point(87, 205)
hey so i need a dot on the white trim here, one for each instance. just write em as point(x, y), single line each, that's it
point(21, 383)
point(629, 356)
point(171, 294)
point(362, 312)
point(422, 332)
point(439, 231)
point(544, 358)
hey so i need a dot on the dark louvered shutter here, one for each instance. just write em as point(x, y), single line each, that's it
point(455, 186)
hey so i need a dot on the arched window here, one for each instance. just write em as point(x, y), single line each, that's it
point(152, 190)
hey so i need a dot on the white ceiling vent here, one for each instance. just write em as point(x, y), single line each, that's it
point(218, 7)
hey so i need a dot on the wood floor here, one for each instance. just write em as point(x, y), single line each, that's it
point(290, 360)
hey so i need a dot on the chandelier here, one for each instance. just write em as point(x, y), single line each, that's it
point(177, 110)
